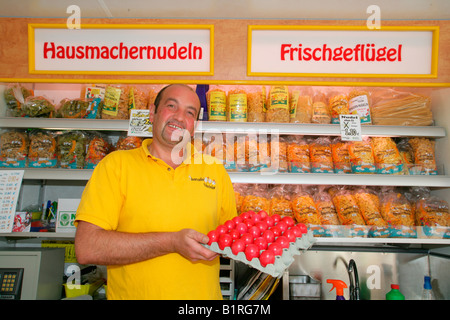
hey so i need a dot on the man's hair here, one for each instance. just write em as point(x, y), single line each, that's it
point(161, 92)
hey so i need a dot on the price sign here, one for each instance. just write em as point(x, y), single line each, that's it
point(350, 127)
point(140, 125)
point(10, 182)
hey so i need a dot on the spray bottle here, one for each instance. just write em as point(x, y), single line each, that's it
point(339, 285)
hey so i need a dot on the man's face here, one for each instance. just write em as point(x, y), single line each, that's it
point(177, 111)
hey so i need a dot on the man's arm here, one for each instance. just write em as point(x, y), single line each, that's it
point(94, 245)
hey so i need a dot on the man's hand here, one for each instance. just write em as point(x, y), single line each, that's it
point(187, 242)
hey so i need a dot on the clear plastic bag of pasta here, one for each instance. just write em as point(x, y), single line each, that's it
point(72, 108)
point(38, 107)
point(406, 155)
point(279, 201)
point(398, 212)
point(305, 210)
point(340, 156)
point(126, 142)
point(278, 153)
point(433, 216)
point(320, 109)
point(13, 148)
point(278, 104)
point(42, 151)
point(98, 146)
point(256, 199)
point(71, 149)
point(327, 212)
point(361, 156)
point(348, 211)
point(298, 154)
point(256, 103)
point(240, 190)
point(138, 98)
point(424, 155)
point(320, 154)
point(387, 157)
point(15, 96)
point(300, 104)
point(338, 104)
point(369, 205)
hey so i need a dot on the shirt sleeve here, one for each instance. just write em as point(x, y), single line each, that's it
point(228, 210)
point(102, 197)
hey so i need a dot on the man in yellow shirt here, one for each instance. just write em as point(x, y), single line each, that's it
point(145, 212)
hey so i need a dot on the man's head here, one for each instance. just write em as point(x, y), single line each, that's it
point(177, 108)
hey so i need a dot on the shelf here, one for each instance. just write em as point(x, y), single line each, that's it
point(319, 240)
point(341, 179)
point(272, 178)
point(224, 127)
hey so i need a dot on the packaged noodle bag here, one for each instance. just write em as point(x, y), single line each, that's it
point(397, 211)
point(346, 206)
point(386, 155)
point(95, 96)
point(361, 156)
point(340, 156)
point(138, 98)
point(256, 199)
point(13, 148)
point(71, 150)
point(240, 190)
point(338, 105)
point(278, 104)
point(278, 153)
point(327, 212)
point(256, 103)
point(98, 146)
point(406, 155)
point(72, 108)
point(42, 152)
point(300, 104)
point(128, 142)
point(298, 154)
point(38, 106)
point(320, 155)
point(304, 208)
point(432, 214)
point(320, 109)
point(359, 103)
point(424, 155)
point(279, 201)
point(237, 105)
point(15, 96)
point(216, 101)
point(369, 206)
point(116, 102)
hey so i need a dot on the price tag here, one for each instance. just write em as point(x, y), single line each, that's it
point(350, 127)
point(140, 125)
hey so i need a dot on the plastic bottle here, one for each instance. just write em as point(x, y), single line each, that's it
point(395, 293)
point(427, 293)
point(339, 285)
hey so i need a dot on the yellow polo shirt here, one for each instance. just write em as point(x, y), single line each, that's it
point(132, 191)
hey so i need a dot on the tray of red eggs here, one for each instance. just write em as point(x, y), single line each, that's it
point(265, 242)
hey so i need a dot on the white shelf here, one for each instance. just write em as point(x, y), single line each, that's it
point(437, 181)
point(53, 235)
point(232, 127)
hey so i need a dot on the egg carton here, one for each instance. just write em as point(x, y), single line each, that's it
point(281, 263)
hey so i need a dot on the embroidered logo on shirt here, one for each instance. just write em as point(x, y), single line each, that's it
point(207, 182)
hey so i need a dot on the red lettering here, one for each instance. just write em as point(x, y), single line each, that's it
point(391, 54)
point(285, 48)
point(114, 56)
point(307, 54)
point(182, 53)
point(133, 52)
point(47, 49)
point(316, 58)
point(348, 54)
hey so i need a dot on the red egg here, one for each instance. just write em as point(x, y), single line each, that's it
point(276, 248)
point(229, 224)
point(247, 238)
point(282, 225)
point(263, 214)
point(276, 217)
point(241, 228)
point(238, 246)
point(221, 229)
point(254, 231)
point(290, 235)
point(213, 236)
point(262, 225)
point(269, 236)
point(225, 240)
point(269, 220)
point(251, 251)
point(283, 242)
point(302, 227)
point(276, 231)
point(267, 257)
point(237, 219)
point(261, 243)
point(248, 222)
point(234, 234)
point(289, 221)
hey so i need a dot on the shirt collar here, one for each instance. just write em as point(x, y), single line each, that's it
point(194, 152)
